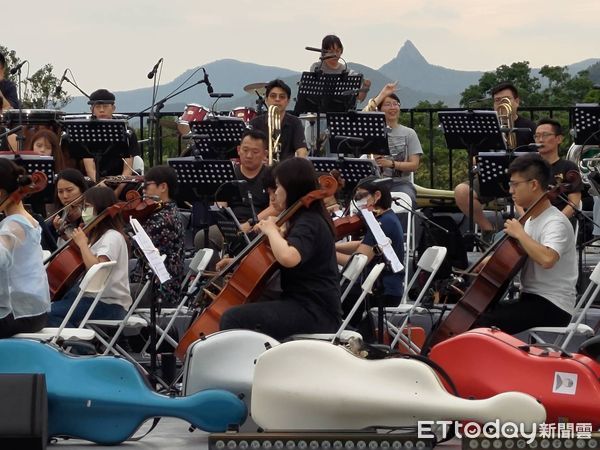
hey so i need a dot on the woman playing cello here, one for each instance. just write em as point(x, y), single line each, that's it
point(24, 296)
point(310, 299)
point(105, 243)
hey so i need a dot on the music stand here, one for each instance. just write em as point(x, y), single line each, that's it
point(219, 134)
point(323, 92)
point(94, 137)
point(32, 162)
point(370, 127)
point(471, 130)
point(493, 177)
point(352, 170)
point(586, 124)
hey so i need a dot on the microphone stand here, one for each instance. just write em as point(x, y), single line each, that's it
point(75, 86)
point(153, 124)
point(419, 214)
point(19, 128)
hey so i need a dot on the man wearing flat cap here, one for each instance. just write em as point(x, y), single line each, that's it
point(117, 159)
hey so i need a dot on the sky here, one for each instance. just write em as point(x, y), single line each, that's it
point(114, 44)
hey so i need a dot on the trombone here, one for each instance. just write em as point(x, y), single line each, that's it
point(274, 126)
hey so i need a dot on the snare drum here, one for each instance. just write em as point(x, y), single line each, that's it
point(247, 114)
point(193, 113)
point(32, 117)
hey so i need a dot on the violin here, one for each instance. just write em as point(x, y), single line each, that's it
point(119, 179)
point(250, 271)
point(38, 183)
point(139, 207)
point(348, 225)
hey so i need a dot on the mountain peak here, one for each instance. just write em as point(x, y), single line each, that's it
point(409, 54)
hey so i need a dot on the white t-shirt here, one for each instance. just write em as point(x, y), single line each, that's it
point(112, 245)
point(557, 284)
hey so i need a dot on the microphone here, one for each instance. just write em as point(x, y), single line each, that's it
point(17, 67)
point(154, 69)
point(315, 49)
point(209, 87)
point(220, 94)
point(532, 146)
point(59, 88)
point(328, 56)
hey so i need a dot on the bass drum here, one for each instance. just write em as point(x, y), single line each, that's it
point(193, 113)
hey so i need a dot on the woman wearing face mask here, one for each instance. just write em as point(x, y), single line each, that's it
point(105, 242)
point(70, 186)
point(374, 194)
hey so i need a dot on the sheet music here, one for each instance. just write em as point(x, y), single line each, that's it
point(383, 241)
point(150, 251)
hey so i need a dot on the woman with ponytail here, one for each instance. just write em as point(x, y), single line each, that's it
point(24, 292)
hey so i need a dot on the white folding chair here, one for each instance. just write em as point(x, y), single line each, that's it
point(197, 267)
point(565, 334)
point(430, 262)
point(351, 272)
point(93, 282)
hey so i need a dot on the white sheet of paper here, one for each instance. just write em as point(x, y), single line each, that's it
point(382, 240)
point(154, 258)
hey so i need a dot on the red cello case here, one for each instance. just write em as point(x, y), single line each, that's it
point(485, 361)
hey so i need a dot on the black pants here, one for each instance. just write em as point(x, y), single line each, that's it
point(9, 326)
point(529, 311)
point(279, 319)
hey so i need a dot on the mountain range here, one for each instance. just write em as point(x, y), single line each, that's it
point(418, 80)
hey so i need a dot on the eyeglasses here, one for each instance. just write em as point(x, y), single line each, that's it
point(275, 96)
point(390, 104)
point(543, 135)
point(512, 183)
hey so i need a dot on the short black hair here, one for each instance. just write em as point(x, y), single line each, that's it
point(277, 83)
point(374, 184)
point(534, 167)
point(2, 60)
point(392, 95)
point(556, 126)
point(255, 133)
point(163, 174)
point(330, 41)
point(505, 85)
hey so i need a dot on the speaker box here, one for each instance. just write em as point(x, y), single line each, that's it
point(23, 411)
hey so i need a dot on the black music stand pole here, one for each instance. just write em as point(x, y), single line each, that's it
point(473, 131)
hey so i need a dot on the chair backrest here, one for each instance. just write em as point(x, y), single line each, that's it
point(367, 285)
point(432, 258)
point(201, 259)
point(355, 267)
point(96, 277)
point(402, 204)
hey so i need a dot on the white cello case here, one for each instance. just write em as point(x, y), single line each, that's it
point(317, 386)
point(225, 360)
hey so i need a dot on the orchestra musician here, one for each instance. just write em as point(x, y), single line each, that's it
point(549, 135)
point(332, 51)
point(405, 147)
point(45, 143)
point(548, 278)
point(24, 292)
point(252, 151)
point(117, 159)
point(292, 139)
point(374, 194)
point(70, 186)
point(524, 136)
point(106, 242)
point(310, 299)
point(165, 229)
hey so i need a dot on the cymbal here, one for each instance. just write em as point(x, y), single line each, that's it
point(260, 87)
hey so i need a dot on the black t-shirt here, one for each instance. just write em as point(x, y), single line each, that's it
point(525, 137)
point(315, 281)
point(292, 133)
point(559, 169)
point(260, 197)
point(9, 90)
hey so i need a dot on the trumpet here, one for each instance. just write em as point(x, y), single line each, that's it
point(505, 116)
point(274, 126)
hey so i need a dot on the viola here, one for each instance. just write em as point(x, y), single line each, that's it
point(119, 179)
point(348, 225)
point(140, 208)
point(251, 270)
point(65, 265)
point(507, 257)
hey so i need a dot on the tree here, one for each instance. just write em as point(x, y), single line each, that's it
point(37, 90)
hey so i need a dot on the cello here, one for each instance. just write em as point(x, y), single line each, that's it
point(39, 180)
point(507, 257)
point(256, 265)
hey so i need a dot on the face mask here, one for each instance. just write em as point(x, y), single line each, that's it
point(87, 215)
point(361, 204)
